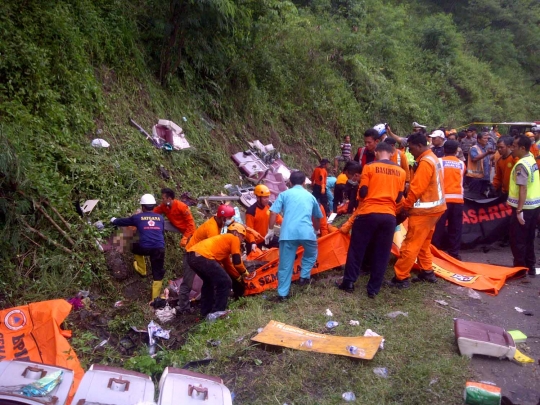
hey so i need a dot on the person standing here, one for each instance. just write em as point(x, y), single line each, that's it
point(524, 198)
point(479, 166)
point(344, 182)
point(318, 178)
point(399, 158)
point(437, 143)
point(218, 261)
point(258, 216)
point(504, 165)
point(208, 229)
point(366, 153)
point(178, 215)
point(150, 227)
point(453, 172)
point(301, 220)
point(345, 156)
point(424, 206)
point(373, 224)
point(467, 143)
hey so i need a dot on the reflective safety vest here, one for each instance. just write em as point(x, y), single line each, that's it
point(453, 171)
point(475, 169)
point(532, 200)
point(432, 200)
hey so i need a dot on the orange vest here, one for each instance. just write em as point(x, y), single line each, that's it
point(453, 171)
point(427, 186)
point(475, 169)
point(401, 160)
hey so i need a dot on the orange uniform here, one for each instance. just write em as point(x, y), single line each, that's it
point(400, 159)
point(220, 248)
point(206, 230)
point(180, 217)
point(503, 169)
point(258, 218)
point(324, 227)
point(319, 177)
point(453, 172)
point(534, 149)
point(426, 204)
point(342, 179)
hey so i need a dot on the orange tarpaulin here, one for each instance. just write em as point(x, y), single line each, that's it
point(333, 253)
point(32, 333)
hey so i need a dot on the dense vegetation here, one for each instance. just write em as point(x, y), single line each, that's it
point(287, 72)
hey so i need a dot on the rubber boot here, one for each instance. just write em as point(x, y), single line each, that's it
point(140, 265)
point(156, 289)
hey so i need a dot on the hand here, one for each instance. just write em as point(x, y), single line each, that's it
point(113, 219)
point(345, 228)
point(269, 236)
point(253, 247)
point(520, 218)
point(323, 191)
point(250, 276)
point(184, 242)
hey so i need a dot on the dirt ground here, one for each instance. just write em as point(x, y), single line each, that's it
point(521, 384)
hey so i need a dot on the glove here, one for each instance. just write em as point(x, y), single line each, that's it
point(346, 227)
point(113, 219)
point(253, 247)
point(520, 218)
point(239, 279)
point(269, 236)
point(184, 241)
point(246, 274)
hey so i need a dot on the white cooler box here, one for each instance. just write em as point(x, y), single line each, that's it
point(113, 386)
point(178, 386)
point(15, 374)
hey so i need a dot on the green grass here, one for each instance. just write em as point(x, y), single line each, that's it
point(418, 349)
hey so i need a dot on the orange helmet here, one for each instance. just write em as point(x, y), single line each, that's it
point(225, 211)
point(235, 226)
point(262, 191)
point(529, 134)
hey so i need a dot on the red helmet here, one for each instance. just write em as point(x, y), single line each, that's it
point(225, 211)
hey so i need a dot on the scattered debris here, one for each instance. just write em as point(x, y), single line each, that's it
point(434, 381)
point(118, 304)
point(213, 343)
point(381, 372)
point(519, 309)
point(167, 132)
point(369, 332)
point(99, 225)
point(328, 312)
point(100, 143)
point(76, 303)
point(331, 324)
point(352, 322)
point(521, 358)
point(441, 302)
point(216, 315)
point(479, 338)
point(166, 313)
point(307, 343)
point(348, 396)
point(473, 294)
point(395, 314)
point(102, 343)
point(481, 393)
point(518, 336)
point(44, 386)
point(355, 351)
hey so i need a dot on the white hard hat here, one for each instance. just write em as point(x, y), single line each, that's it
point(380, 128)
point(536, 128)
point(148, 199)
point(417, 125)
point(437, 134)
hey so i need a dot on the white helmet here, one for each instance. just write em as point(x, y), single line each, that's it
point(380, 128)
point(148, 199)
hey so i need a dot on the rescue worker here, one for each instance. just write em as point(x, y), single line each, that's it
point(258, 216)
point(366, 153)
point(452, 219)
point(479, 166)
point(453, 135)
point(318, 178)
point(150, 227)
point(218, 261)
point(178, 214)
point(536, 131)
point(524, 198)
point(424, 206)
point(504, 165)
point(373, 224)
point(212, 227)
point(301, 221)
point(437, 143)
point(399, 158)
point(402, 141)
point(345, 182)
point(534, 148)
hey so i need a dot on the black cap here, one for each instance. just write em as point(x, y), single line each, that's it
point(324, 161)
point(390, 141)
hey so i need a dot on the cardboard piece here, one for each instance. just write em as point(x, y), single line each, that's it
point(89, 205)
point(280, 334)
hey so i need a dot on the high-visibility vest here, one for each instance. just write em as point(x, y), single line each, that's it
point(475, 169)
point(453, 171)
point(532, 200)
point(432, 200)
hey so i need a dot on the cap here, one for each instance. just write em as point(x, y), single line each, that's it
point(437, 134)
point(417, 125)
point(535, 128)
point(324, 161)
point(471, 129)
point(380, 128)
point(390, 141)
point(529, 134)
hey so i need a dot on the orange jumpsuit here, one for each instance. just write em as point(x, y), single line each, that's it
point(503, 169)
point(180, 217)
point(206, 230)
point(258, 218)
point(425, 203)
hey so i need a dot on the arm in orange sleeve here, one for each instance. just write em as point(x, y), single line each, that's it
point(323, 185)
point(419, 184)
point(230, 269)
point(250, 221)
point(160, 209)
point(364, 182)
point(279, 219)
point(405, 166)
point(497, 180)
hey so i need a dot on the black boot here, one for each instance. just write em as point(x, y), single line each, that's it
point(345, 286)
point(426, 275)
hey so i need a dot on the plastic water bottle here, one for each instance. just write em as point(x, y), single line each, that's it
point(331, 324)
point(308, 344)
point(352, 350)
point(348, 396)
point(215, 315)
point(381, 372)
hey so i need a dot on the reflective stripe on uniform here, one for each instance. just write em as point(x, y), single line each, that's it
point(440, 201)
point(453, 196)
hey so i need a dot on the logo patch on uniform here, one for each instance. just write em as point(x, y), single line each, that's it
point(151, 223)
point(15, 319)
point(509, 165)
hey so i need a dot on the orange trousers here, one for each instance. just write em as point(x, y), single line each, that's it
point(416, 245)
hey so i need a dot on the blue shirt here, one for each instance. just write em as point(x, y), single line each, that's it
point(487, 166)
point(297, 206)
point(330, 185)
point(149, 226)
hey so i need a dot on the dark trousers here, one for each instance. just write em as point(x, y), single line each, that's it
point(157, 259)
point(522, 238)
point(185, 287)
point(339, 192)
point(478, 186)
point(448, 237)
point(320, 197)
point(353, 202)
point(378, 228)
point(216, 283)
